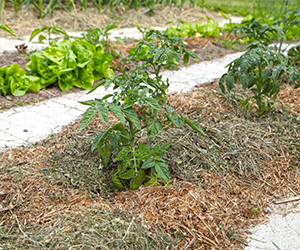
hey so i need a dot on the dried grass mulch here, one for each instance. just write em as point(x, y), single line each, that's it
point(54, 194)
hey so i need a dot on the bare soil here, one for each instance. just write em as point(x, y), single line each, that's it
point(26, 20)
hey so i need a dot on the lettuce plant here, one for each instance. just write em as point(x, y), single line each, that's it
point(140, 103)
point(15, 81)
point(71, 63)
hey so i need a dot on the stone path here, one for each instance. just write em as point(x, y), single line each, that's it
point(24, 125)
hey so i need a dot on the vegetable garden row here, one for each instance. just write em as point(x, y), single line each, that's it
point(141, 102)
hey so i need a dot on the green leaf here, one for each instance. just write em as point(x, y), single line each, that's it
point(186, 59)
point(162, 59)
point(276, 71)
point(293, 73)
point(106, 153)
point(133, 117)
point(135, 183)
point(7, 29)
point(162, 170)
point(88, 116)
point(193, 125)
point(149, 163)
point(118, 112)
point(60, 30)
point(165, 146)
point(96, 86)
point(229, 81)
point(120, 40)
point(102, 112)
point(190, 53)
point(117, 182)
point(152, 103)
point(153, 127)
point(152, 181)
point(122, 154)
point(34, 33)
point(127, 175)
point(97, 140)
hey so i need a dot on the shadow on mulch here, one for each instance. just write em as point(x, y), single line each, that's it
point(54, 194)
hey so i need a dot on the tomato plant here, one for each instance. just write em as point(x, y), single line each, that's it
point(140, 103)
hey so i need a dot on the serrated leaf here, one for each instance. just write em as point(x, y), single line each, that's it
point(153, 128)
point(135, 182)
point(106, 153)
point(276, 70)
point(176, 120)
point(117, 182)
point(157, 54)
point(88, 116)
point(122, 154)
point(127, 175)
point(96, 140)
point(266, 74)
point(162, 59)
point(133, 117)
point(152, 103)
point(162, 170)
point(229, 81)
point(149, 163)
point(293, 73)
point(118, 112)
point(102, 112)
point(245, 79)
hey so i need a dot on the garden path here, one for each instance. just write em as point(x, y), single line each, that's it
point(24, 125)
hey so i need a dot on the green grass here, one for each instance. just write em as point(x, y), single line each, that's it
point(246, 7)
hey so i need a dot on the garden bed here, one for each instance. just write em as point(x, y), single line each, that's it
point(205, 48)
point(54, 194)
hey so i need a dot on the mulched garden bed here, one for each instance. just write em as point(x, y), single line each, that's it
point(54, 194)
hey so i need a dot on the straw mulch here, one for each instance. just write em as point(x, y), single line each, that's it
point(53, 194)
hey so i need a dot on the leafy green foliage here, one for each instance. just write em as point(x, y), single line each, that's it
point(140, 103)
point(259, 70)
point(255, 30)
point(49, 29)
point(14, 80)
point(71, 63)
point(209, 28)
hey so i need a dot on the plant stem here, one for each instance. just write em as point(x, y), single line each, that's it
point(132, 135)
point(284, 25)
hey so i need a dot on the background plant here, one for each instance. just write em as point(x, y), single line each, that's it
point(50, 30)
point(140, 103)
point(259, 70)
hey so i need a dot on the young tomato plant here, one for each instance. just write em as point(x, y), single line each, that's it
point(259, 70)
point(140, 103)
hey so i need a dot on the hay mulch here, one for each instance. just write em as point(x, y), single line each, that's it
point(53, 194)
